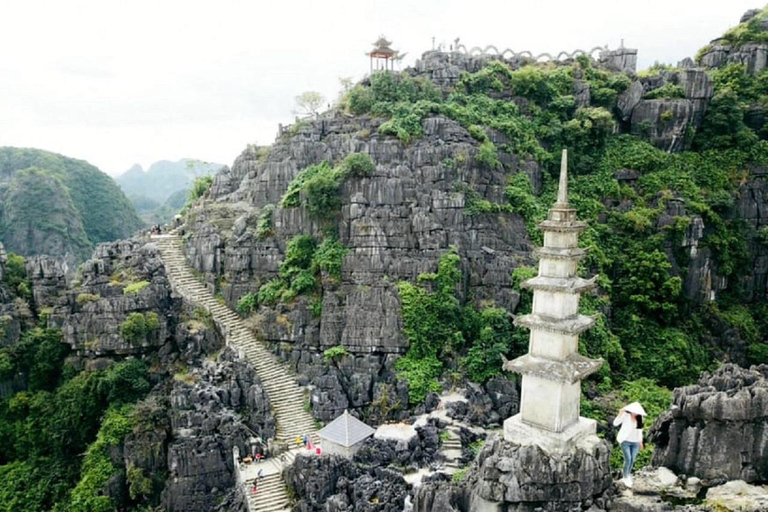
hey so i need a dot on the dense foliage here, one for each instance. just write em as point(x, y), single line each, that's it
point(647, 326)
point(306, 263)
point(317, 186)
point(86, 207)
point(439, 328)
point(45, 430)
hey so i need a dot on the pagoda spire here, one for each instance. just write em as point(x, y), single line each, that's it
point(562, 190)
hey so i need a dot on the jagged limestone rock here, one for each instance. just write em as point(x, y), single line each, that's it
point(396, 224)
point(49, 279)
point(717, 430)
point(521, 477)
point(205, 424)
point(91, 315)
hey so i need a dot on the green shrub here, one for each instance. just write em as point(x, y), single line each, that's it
point(666, 91)
point(304, 281)
point(16, 276)
point(270, 292)
point(478, 133)
point(334, 354)
point(265, 228)
point(484, 358)
point(357, 164)
point(135, 288)
point(322, 195)
point(316, 308)
point(83, 298)
point(247, 304)
point(98, 467)
point(298, 256)
point(329, 256)
point(200, 187)
point(137, 327)
point(487, 155)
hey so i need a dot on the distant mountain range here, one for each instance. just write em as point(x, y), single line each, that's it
point(161, 191)
point(55, 205)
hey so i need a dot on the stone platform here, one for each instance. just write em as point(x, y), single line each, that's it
point(520, 433)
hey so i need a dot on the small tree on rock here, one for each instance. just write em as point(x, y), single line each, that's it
point(309, 103)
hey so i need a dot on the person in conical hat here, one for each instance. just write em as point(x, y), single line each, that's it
point(630, 436)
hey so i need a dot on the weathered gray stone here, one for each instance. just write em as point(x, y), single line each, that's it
point(738, 496)
point(628, 100)
point(396, 223)
point(49, 279)
point(663, 122)
point(527, 477)
point(727, 409)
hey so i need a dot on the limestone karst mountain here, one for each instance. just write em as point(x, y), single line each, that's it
point(51, 204)
point(161, 191)
point(371, 260)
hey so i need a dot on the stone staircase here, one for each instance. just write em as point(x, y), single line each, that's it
point(286, 397)
point(270, 497)
point(451, 450)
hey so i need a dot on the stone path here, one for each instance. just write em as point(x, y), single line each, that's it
point(286, 397)
point(451, 450)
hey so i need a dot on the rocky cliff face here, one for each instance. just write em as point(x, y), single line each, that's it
point(205, 425)
point(717, 430)
point(396, 224)
point(122, 278)
point(334, 484)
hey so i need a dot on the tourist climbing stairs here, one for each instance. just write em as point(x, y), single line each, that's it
point(286, 397)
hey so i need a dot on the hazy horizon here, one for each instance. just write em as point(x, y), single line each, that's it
point(122, 84)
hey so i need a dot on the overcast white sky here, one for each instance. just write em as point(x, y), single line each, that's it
point(118, 83)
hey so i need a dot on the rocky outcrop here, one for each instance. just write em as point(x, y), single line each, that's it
point(752, 207)
point(91, 314)
point(212, 409)
point(49, 279)
point(753, 55)
point(508, 476)
point(717, 430)
point(667, 123)
point(334, 484)
point(395, 223)
point(419, 451)
point(489, 404)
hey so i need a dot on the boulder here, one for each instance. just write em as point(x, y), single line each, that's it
point(738, 496)
point(525, 478)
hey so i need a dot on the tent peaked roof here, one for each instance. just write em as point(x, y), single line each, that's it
point(346, 430)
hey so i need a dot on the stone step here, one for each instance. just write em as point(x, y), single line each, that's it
point(286, 396)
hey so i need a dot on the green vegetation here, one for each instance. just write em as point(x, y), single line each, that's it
point(439, 328)
point(651, 329)
point(264, 227)
point(138, 327)
point(84, 298)
point(55, 196)
point(668, 91)
point(247, 304)
point(334, 354)
point(749, 32)
point(300, 272)
point(16, 276)
point(199, 187)
point(317, 186)
point(45, 430)
point(97, 466)
point(135, 288)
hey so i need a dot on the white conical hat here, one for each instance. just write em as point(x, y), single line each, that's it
point(636, 408)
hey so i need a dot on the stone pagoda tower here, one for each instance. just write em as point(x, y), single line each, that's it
point(553, 369)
